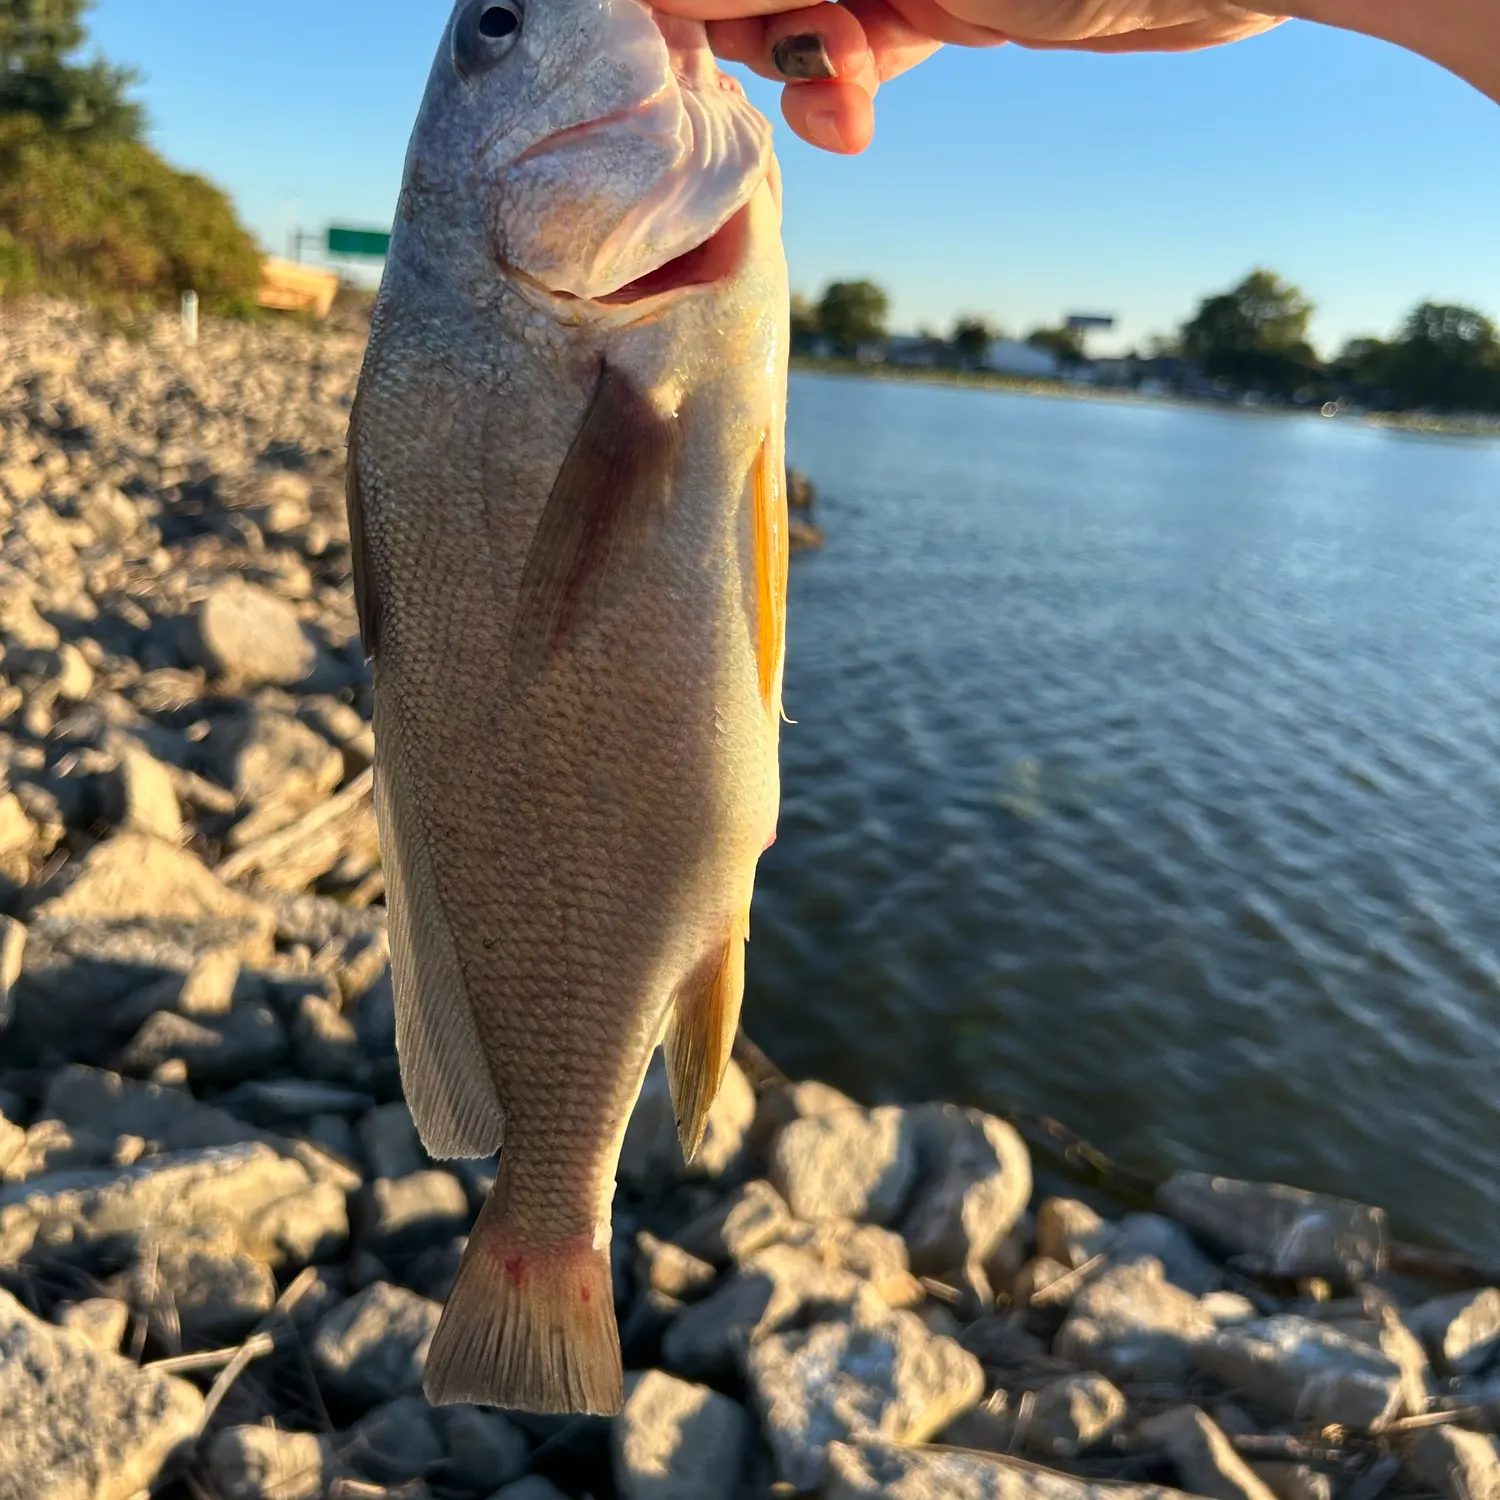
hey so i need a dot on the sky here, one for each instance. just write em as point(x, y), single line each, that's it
point(1019, 185)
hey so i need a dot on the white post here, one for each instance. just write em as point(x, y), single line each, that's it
point(190, 319)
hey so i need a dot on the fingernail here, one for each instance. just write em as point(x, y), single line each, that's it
point(823, 127)
point(803, 57)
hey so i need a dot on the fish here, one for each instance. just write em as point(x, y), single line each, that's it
point(568, 534)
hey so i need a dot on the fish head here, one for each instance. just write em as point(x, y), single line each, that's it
point(590, 149)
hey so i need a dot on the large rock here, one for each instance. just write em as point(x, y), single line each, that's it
point(1455, 1464)
point(215, 1050)
point(650, 1153)
point(77, 1423)
point(1273, 1230)
point(100, 1322)
point(881, 1374)
point(1204, 1458)
point(166, 1119)
point(974, 1176)
point(851, 1164)
point(1461, 1332)
point(1130, 1323)
point(882, 1471)
point(75, 1212)
point(1073, 1413)
point(325, 1042)
point(301, 1228)
point(396, 1442)
point(1183, 1263)
point(266, 1463)
point(483, 1448)
point(1297, 1366)
point(52, 1146)
point(675, 1441)
point(391, 1144)
point(141, 797)
point(402, 1216)
point(215, 1291)
point(247, 634)
point(373, 1347)
point(1070, 1233)
point(737, 1226)
point(271, 761)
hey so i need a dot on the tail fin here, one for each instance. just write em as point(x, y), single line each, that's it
point(530, 1327)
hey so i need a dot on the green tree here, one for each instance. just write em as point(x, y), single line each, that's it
point(1254, 336)
point(804, 320)
point(1446, 357)
point(37, 40)
point(1064, 344)
point(971, 339)
point(852, 313)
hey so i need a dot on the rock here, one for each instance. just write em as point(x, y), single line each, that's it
point(433, 1272)
point(533, 1487)
point(403, 1215)
point(1461, 1332)
point(483, 1447)
point(325, 1044)
point(51, 1146)
point(1183, 1263)
point(880, 1375)
point(852, 1164)
point(99, 1322)
point(1298, 1366)
point(375, 1020)
point(753, 1216)
point(246, 634)
point(1071, 1233)
point(166, 1119)
point(274, 765)
point(1132, 1324)
point(881, 1471)
point(1456, 1464)
point(1228, 1308)
point(12, 958)
point(396, 1442)
point(974, 1176)
point(391, 1144)
point(12, 1140)
point(91, 1207)
point(767, 1292)
point(142, 798)
point(334, 1136)
point(675, 1441)
point(16, 831)
point(301, 1228)
point(1204, 1458)
point(285, 1101)
point(1072, 1414)
point(1035, 1280)
point(990, 1427)
point(226, 1049)
point(208, 987)
point(266, 1463)
point(372, 1348)
point(877, 1256)
point(1273, 1230)
point(75, 1421)
point(650, 1152)
point(668, 1268)
point(212, 1287)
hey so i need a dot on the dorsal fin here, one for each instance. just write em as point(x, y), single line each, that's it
point(612, 490)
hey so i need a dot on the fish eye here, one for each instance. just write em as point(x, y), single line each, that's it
point(485, 32)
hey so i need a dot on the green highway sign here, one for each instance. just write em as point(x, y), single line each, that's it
point(372, 242)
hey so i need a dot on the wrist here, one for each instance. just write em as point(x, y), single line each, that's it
point(1460, 35)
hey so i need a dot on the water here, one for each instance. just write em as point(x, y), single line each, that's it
point(1146, 772)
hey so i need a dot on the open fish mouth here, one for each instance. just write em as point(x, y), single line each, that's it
point(648, 201)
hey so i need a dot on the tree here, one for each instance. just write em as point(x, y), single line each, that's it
point(971, 339)
point(1254, 335)
point(804, 321)
point(1064, 344)
point(37, 37)
point(1447, 357)
point(853, 313)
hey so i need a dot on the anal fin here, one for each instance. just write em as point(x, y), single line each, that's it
point(772, 543)
point(700, 1037)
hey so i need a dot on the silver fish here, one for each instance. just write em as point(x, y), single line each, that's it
point(569, 534)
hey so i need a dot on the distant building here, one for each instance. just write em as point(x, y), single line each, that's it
point(916, 350)
point(1011, 357)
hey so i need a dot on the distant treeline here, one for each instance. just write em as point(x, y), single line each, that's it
point(1249, 339)
point(86, 207)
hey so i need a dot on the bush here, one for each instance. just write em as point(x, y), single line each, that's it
point(106, 218)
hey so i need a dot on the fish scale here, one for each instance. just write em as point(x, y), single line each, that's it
point(569, 535)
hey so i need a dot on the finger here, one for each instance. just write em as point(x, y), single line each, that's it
point(837, 116)
point(812, 44)
point(929, 18)
point(895, 44)
point(722, 10)
point(1191, 36)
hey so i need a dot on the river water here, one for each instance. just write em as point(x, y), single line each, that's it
point(1146, 772)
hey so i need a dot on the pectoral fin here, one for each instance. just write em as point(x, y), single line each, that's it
point(772, 555)
point(610, 494)
point(701, 1037)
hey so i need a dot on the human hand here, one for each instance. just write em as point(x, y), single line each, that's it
point(833, 57)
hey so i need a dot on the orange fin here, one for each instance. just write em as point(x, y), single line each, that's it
point(610, 494)
point(772, 555)
point(359, 553)
point(700, 1038)
point(529, 1327)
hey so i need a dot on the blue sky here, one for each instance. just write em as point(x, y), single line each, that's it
point(1020, 185)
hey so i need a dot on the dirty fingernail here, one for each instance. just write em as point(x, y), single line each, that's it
point(823, 127)
point(802, 57)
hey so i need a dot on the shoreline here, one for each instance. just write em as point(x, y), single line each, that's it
point(223, 1249)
